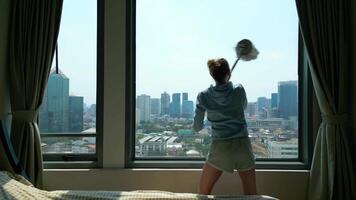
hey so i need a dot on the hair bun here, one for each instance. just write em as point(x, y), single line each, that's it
point(218, 69)
point(211, 63)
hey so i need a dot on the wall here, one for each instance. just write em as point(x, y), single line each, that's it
point(281, 184)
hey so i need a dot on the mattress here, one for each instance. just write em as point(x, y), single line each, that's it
point(16, 187)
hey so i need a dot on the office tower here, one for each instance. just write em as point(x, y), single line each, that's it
point(165, 103)
point(288, 99)
point(185, 97)
point(155, 106)
point(138, 116)
point(262, 103)
point(274, 100)
point(268, 104)
point(176, 110)
point(144, 105)
point(54, 110)
point(251, 109)
point(75, 114)
point(273, 113)
point(187, 109)
point(92, 110)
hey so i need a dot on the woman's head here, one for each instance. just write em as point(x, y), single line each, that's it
point(219, 69)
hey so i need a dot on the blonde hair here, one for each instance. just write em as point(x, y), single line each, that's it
point(218, 69)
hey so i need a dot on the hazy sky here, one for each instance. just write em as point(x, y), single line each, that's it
point(77, 47)
point(175, 38)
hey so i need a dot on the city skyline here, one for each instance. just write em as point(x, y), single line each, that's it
point(283, 104)
point(272, 96)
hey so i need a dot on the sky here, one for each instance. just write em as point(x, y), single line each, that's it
point(77, 47)
point(175, 38)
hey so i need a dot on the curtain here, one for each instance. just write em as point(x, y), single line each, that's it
point(33, 35)
point(325, 29)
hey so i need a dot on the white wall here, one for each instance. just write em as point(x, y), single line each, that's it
point(281, 184)
point(114, 85)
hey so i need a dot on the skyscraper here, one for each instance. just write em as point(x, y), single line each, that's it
point(54, 110)
point(138, 116)
point(165, 102)
point(187, 109)
point(251, 109)
point(287, 99)
point(262, 102)
point(185, 97)
point(176, 110)
point(76, 114)
point(144, 105)
point(274, 100)
point(155, 106)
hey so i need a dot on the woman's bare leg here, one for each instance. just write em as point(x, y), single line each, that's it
point(208, 178)
point(248, 179)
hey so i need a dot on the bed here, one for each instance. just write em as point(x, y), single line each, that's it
point(16, 187)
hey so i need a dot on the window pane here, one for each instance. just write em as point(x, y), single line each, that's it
point(68, 145)
point(69, 102)
point(174, 41)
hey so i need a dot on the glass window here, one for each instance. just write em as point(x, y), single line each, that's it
point(174, 41)
point(67, 118)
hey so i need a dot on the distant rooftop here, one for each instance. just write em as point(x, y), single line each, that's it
point(60, 73)
point(90, 130)
point(292, 82)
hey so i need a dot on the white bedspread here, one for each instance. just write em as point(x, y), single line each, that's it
point(16, 187)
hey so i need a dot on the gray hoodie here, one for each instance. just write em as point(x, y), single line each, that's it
point(225, 106)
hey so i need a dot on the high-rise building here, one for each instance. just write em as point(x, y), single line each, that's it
point(155, 106)
point(283, 149)
point(53, 115)
point(288, 99)
point(251, 109)
point(274, 100)
point(138, 116)
point(262, 103)
point(92, 110)
point(144, 105)
point(185, 97)
point(75, 114)
point(165, 103)
point(273, 113)
point(176, 105)
point(187, 109)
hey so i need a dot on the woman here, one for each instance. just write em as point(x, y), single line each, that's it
point(231, 148)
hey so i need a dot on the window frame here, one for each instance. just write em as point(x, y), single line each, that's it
point(304, 113)
point(95, 160)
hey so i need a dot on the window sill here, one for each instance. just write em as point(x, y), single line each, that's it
point(72, 165)
point(171, 165)
point(285, 165)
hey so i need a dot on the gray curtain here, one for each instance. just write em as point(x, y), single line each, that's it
point(33, 35)
point(325, 29)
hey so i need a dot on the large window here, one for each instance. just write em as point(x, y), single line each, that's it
point(67, 118)
point(172, 41)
